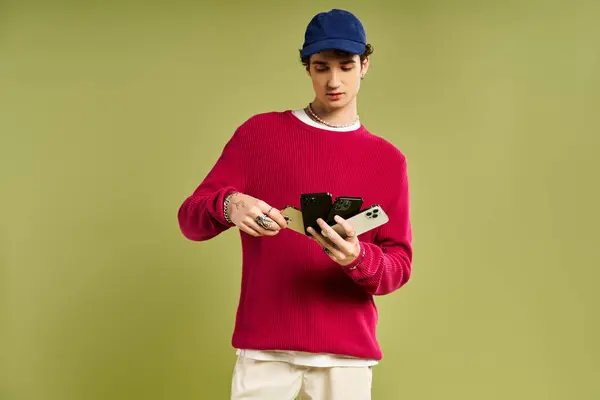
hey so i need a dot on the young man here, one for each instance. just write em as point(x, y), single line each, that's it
point(306, 318)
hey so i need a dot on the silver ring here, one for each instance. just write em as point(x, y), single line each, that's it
point(267, 213)
point(263, 221)
point(351, 235)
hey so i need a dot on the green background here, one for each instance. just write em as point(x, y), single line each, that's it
point(112, 112)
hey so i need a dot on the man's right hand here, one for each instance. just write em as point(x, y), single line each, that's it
point(244, 209)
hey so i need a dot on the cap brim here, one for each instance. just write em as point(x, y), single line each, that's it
point(348, 46)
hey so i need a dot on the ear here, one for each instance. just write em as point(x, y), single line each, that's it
point(364, 66)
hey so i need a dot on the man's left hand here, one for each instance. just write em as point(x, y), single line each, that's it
point(343, 251)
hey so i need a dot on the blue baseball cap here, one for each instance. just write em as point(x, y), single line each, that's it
point(334, 30)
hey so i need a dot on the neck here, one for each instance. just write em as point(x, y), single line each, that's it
point(336, 116)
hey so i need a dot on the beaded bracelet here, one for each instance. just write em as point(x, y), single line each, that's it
point(362, 257)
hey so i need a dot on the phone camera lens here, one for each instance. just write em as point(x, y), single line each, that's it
point(369, 214)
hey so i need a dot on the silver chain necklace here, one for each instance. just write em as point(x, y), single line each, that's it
point(316, 117)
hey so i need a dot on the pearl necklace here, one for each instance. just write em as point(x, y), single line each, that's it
point(316, 117)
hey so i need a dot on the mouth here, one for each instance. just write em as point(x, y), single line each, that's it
point(334, 96)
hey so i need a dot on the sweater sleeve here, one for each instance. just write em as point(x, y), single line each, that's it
point(385, 265)
point(201, 216)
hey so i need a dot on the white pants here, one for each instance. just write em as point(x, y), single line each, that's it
point(274, 380)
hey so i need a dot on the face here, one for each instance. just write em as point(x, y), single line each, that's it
point(336, 78)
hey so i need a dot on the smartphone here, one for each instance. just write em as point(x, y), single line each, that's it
point(345, 207)
point(313, 207)
point(293, 217)
point(369, 218)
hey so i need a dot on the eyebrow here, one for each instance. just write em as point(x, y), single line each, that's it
point(344, 62)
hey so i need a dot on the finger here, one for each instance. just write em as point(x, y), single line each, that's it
point(268, 223)
point(277, 216)
point(348, 229)
point(321, 237)
point(273, 213)
point(258, 210)
point(334, 251)
point(249, 230)
point(262, 231)
point(332, 235)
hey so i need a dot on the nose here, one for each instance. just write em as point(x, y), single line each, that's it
point(334, 80)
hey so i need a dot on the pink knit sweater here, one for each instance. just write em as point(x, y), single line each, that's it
point(293, 296)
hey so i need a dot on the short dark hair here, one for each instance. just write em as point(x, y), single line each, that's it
point(368, 51)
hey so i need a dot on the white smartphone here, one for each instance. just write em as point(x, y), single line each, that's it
point(369, 218)
point(293, 217)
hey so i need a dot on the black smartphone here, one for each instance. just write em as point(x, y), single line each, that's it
point(345, 207)
point(313, 207)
